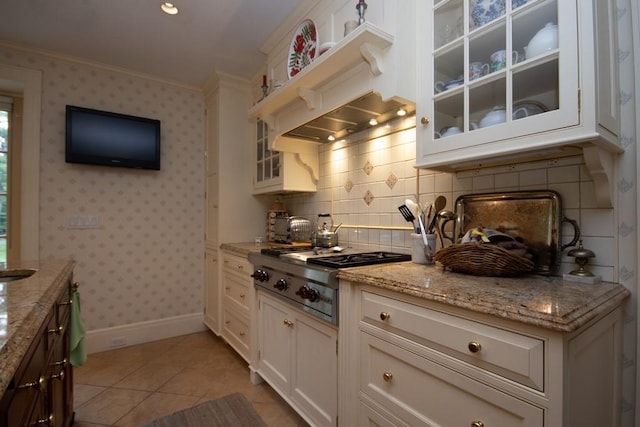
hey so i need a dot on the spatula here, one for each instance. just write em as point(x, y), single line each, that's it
point(407, 214)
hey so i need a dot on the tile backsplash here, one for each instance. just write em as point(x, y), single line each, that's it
point(363, 183)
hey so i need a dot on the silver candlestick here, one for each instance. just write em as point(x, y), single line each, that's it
point(361, 6)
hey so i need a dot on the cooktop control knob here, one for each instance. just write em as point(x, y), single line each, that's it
point(308, 293)
point(281, 285)
point(313, 295)
point(260, 275)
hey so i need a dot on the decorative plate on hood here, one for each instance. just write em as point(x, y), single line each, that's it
point(303, 48)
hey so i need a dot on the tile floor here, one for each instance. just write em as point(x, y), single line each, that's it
point(129, 386)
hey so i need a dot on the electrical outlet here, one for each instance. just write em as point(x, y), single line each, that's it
point(118, 342)
point(83, 221)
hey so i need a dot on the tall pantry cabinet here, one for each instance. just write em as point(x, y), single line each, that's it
point(232, 214)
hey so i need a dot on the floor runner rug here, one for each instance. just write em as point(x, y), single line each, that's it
point(231, 410)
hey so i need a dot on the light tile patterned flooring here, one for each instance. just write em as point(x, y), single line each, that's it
point(129, 386)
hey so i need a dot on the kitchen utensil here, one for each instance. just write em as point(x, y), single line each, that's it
point(499, 59)
point(451, 130)
point(407, 214)
point(442, 86)
point(530, 106)
point(302, 50)
point(485, 11)
point(413, 206)
point(496, 116)
point(478, 69)
point(428, 251)
point(323, 236)
point(546, 39)
point(535, 217)
point(438, 205)
point(292, 229)
point(446, 216)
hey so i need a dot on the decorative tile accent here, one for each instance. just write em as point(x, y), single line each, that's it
point(368, 167)
point(368, 197)
point(348, 185)
point(392, 180)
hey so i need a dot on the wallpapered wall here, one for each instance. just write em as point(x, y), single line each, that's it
point(145, 261)
point(363, 184)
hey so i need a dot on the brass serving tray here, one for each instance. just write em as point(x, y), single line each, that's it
point(534, 216)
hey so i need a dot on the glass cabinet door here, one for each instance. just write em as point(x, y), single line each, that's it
point(498, 69)
point(267, 161)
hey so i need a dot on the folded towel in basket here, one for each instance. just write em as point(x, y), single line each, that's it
point(76, 343)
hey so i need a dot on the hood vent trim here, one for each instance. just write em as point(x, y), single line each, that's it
point(351, 119)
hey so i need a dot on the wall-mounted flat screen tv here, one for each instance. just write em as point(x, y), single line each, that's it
point(111, 139)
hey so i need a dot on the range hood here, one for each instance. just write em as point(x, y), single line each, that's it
point(362, 113)
point(340, 92)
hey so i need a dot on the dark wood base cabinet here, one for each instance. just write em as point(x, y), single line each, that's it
point(41, 391)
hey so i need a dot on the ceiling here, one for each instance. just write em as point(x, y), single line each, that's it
point(204, 37)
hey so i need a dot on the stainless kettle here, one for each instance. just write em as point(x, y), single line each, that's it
point(324, 236)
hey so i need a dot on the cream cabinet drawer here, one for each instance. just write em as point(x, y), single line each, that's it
point(235, 329)
point(512, 355)
point(237, 265)
point(422, 392)
point(237, 290)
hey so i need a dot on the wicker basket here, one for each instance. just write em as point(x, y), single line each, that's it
point(482, 260)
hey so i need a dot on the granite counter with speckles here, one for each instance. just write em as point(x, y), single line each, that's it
point(24, 305)
point(548, 302)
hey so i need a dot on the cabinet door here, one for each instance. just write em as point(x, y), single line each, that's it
point(274, 343)
point(268, 167)
point(492, 72)
point(315, 375)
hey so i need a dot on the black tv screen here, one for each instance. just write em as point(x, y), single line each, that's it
point(111, 139)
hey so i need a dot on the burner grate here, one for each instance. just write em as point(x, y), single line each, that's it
point(359, 259)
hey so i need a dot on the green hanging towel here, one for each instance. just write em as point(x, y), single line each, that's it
point(76, 343)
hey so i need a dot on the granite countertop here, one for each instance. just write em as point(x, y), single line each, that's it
point(548, 302)
point(24, 305)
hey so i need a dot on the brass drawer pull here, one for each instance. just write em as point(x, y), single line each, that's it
point(63, 362)
point(288, 322)
point(474, 347)
point(477, 424)
point(48, 420)
point(59, 376)
point(424, 120)
point(384, 316)
point(387, 376)
point(41, 384)
point(242, 296)
point(57, 330)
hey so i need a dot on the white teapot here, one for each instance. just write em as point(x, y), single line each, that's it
point(497, 115)
point(546, 39)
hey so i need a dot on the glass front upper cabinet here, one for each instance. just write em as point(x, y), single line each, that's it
point(492, 72)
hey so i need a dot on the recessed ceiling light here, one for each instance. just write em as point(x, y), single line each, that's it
point(373, 122)
point(401, 112)
point(169, 8)
point(331, 138)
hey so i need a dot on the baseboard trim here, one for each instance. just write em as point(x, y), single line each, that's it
point(138, 333)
